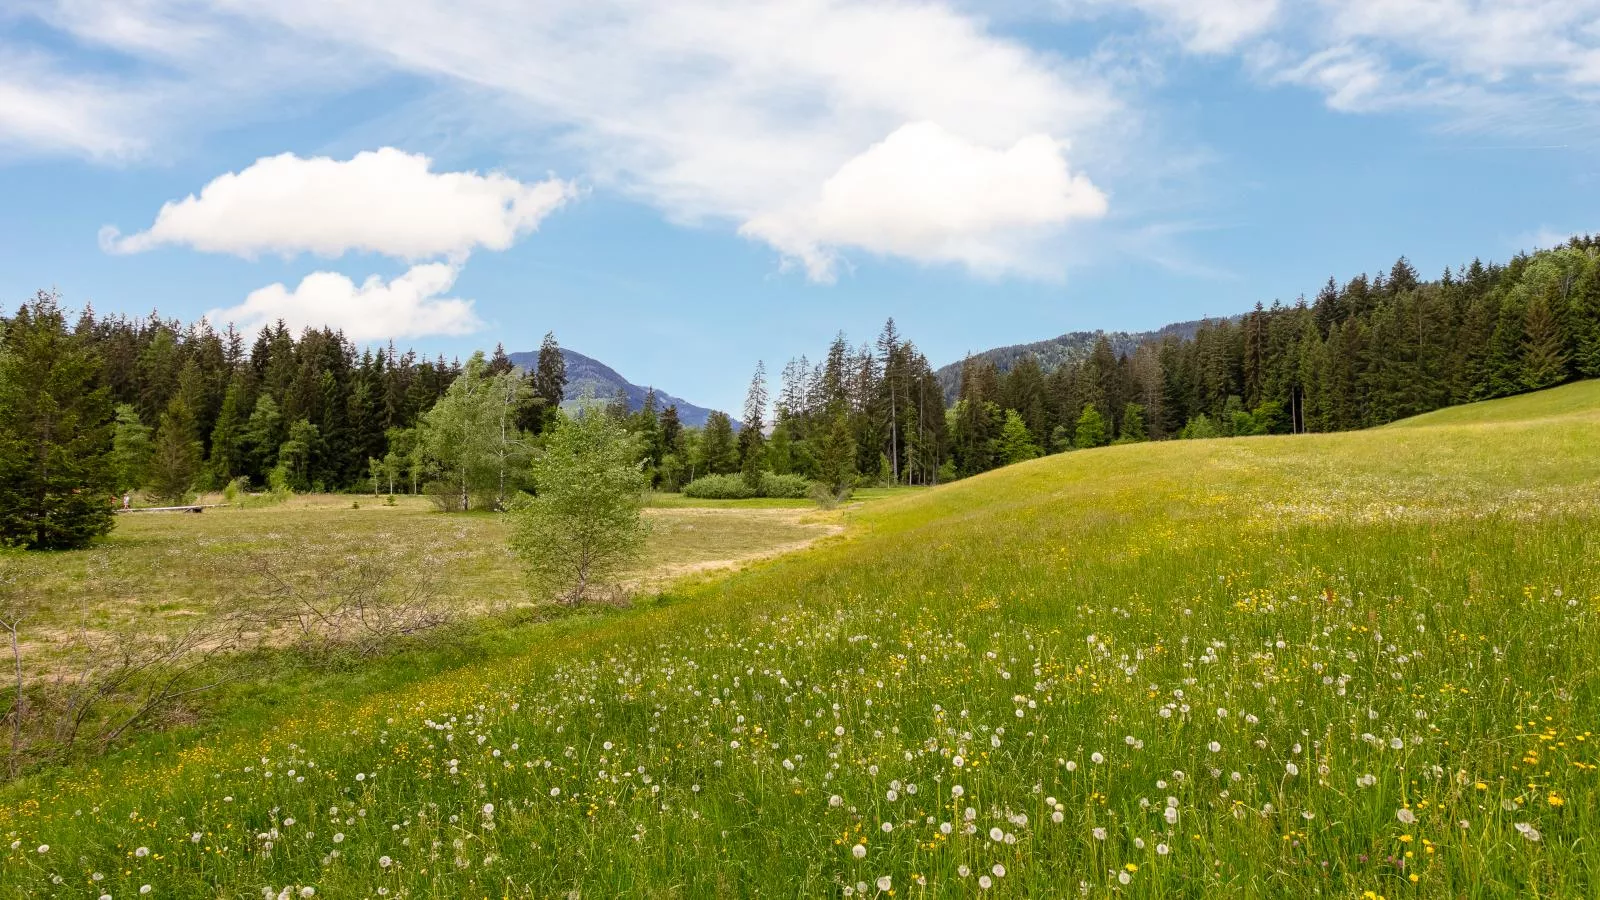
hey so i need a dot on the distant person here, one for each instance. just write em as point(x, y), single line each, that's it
point(127, 500)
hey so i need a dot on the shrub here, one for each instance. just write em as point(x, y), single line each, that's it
point(787, 487)
point(718, 487)
point(734, 487)
point(827, 497)
point(236, 490)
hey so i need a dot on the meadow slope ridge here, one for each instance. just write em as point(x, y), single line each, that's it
point(1273, 666)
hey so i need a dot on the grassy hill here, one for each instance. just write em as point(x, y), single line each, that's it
point(1278, 666)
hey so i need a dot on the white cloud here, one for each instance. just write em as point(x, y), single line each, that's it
point(929, 195)
point(385, 201)
point(409, 305)
point(1202, 26)
point(43, 108)
point(713, 112)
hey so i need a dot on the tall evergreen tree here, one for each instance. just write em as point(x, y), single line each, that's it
point(1544, 361)
point(175, 463)
point(56, 472)
point(131, 449)
point(752, 444)
point(719, 452)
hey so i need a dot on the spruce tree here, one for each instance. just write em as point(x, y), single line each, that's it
point(130, 449)
point(1503, 366)
point(175, 462)
point(1544, 355)
point(1132, 430)
point(549, 383)
point(836, 459)
point(752, 444)
point(1584, 314)
point(227, 459)
point(56, 472)
point(719, 454)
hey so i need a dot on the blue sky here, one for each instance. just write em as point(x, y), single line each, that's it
point(682, 189)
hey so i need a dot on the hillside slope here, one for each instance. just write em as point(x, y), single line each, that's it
point(1578, 399)
point(1275, 666)
point(1057, 351)
point(590, 378)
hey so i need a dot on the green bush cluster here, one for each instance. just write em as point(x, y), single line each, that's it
point(734, 487)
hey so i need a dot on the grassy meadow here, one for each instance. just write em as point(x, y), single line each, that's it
point(1352, 665)
point(159, 570)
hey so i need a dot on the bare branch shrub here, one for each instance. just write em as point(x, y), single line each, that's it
point(99, 684)
point(363, 604)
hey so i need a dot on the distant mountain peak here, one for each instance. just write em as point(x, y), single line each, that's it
point(589, 378)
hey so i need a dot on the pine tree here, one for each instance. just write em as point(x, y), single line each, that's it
point(263, 434)
point(1544, 355)
point(1132, 430)
point(752, 446)
point(56, 471)
point(130, 449)
point(719, 454)
point(175, 464)
point(1584, 314)
point(499, 363)
point(227, 459)
point(549, 383)
point(836, 461)
point(1503, 367)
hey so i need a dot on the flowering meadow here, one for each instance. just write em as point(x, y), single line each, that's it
point(1358, 665)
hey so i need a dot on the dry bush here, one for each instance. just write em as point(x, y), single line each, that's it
point(362, 604)
point(99, 685)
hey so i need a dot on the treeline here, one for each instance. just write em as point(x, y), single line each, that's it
point(1370, 351)
point(98, 407)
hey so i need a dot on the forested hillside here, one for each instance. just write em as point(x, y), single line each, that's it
point(1072, 347)
point(1363, 353)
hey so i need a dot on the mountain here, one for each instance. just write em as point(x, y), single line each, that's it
point(1069, 347)
point(588, 377)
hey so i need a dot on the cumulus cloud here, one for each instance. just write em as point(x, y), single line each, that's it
point(385, 201)
point(410, 305)
point(715, 113)
point(929, 195)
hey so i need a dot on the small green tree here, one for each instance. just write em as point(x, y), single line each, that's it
point(836, 461)
point(130, 449)
point(176, 460)
point(1091, 429)
point(1199, 428)
point(1015, 443)
point(461, 436)
point(1133, 429)
point(583, 527)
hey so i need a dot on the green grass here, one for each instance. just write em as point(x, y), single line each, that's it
point(1579, 398)
point(156, 570)
point(1389, 638)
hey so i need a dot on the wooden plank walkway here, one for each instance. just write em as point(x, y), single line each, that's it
point(186, 509)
